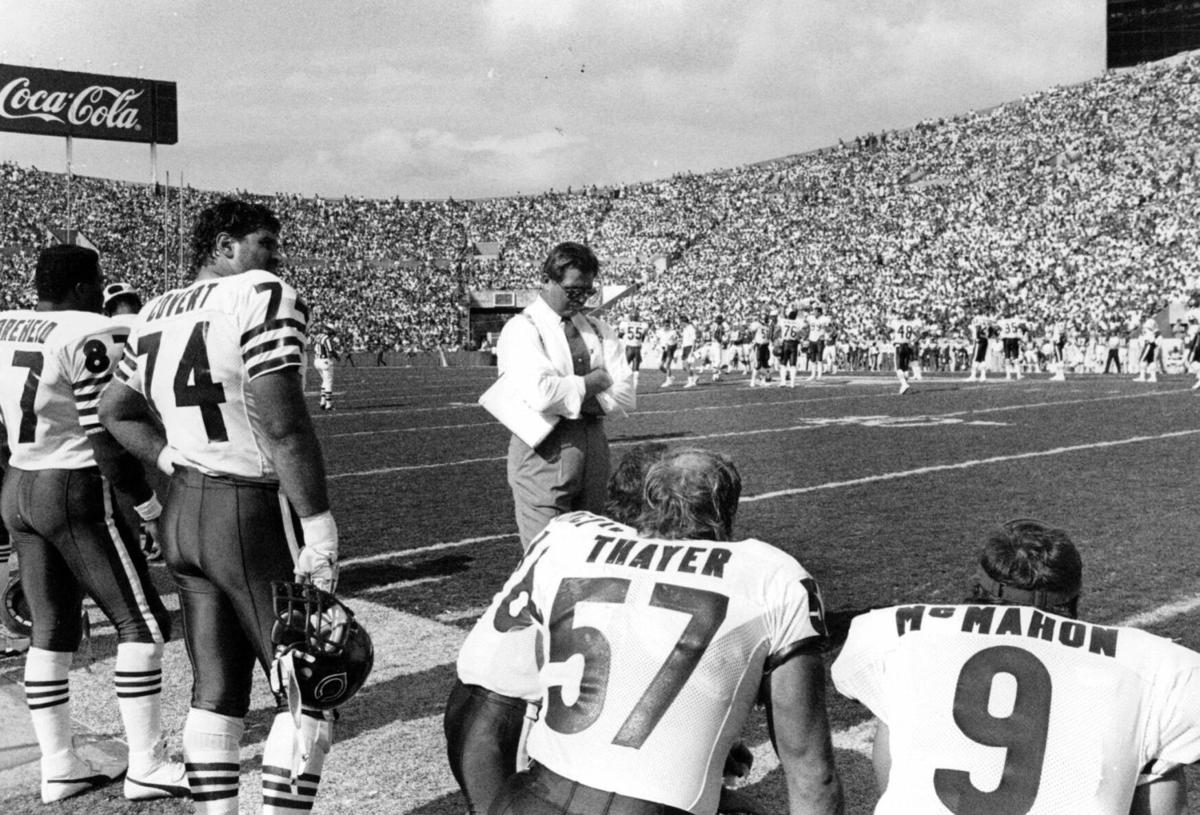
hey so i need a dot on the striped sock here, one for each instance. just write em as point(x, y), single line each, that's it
point(138, 677)
point(289, 752)
point(210, 751)
point(48, 698)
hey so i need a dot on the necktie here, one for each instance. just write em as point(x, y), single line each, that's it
point(581, 364)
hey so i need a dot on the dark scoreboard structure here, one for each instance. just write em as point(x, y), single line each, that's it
point(1147, 30)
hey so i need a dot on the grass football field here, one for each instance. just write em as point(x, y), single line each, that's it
point(883, 498)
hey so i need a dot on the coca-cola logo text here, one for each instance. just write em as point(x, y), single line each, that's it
point(95, 105)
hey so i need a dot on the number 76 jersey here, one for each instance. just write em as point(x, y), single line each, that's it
point(1008, 709)
point(192, 353)
point(652, 653)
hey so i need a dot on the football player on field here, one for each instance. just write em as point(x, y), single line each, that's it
point(790, 329)
point(323, 359)
point(59, 506)
point(1009, 703)
point(221, 361)
point(981, 330)
point(687, 350)
point(668, 341)
point(633, 334)
point(1012, 329)
point(1148, 356)
point(905, 332)
point(655, 646)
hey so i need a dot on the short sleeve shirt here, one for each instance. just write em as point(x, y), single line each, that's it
point(651, 654)
point(53, 365)
point(192, 354)
point(1008, 708)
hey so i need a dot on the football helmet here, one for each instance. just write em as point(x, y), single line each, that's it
point(14, 608)
point(325, 652)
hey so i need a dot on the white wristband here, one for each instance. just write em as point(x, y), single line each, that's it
point(320, 533)
point(150, 510)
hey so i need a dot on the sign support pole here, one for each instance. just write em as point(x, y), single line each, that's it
point(70, 210)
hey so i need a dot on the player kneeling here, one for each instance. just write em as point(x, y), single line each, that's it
point(647, 725)
point(1008, 703)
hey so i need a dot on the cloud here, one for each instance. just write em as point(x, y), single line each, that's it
point(429, 162)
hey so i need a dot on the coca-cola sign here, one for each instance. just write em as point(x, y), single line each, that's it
point(87, 106)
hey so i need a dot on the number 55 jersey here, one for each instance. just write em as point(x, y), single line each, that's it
point(652, 653)
point(1008, 709)
point(192, 353)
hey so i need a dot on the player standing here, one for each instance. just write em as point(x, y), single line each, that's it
point(654, 647)
point(818, 334)
point(1058, 344)
point(760, 344)
point(716, 346)
point(633, 333)
point(687, 348)
point(905, 331)
point(668, 341)
point(1148, 356)
point(59, 506)
point(982, 328)
point(221, 361)
point(992, 706)
point(789, 333)
point(1011, 329)
point(323, 359)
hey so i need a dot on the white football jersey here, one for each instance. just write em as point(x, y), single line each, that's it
point(633, 332)
point(193, 352)
point(1011, 328)
point(905, 332)
point(789, 329)
point(688, 339)
point(1011, 709)
point(652, 653)
point(500, 651)
point(819, 326)
point(53, 365)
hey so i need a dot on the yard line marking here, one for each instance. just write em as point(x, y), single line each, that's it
point(402, 584)
point(701, 408)
point(964, 465)
point(409, 429)
point(811, 424)
point(422, 550)
point(1162, 613)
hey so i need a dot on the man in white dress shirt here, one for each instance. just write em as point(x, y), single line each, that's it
point(572, 366)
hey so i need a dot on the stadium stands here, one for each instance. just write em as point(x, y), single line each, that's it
point(1077, 202)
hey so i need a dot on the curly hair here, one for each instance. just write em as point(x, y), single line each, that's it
point(1029, 562)
point(691, 494)
point(232, 217)
point(627, 484)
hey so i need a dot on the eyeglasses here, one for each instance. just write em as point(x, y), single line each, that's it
point(577, 292)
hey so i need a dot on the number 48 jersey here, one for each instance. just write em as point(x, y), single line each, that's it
point(53, 365)
point(193, 352)
point(1009, 709)
point(653, 651)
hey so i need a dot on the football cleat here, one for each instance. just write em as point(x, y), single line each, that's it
point(66, 775)
point(323, 653)
point(163, 779)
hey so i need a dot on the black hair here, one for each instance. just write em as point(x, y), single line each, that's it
point(60, 268)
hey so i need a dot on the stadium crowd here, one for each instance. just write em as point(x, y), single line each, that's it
point(1078, 202)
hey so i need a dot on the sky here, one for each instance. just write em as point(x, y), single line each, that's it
point(465, 99)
